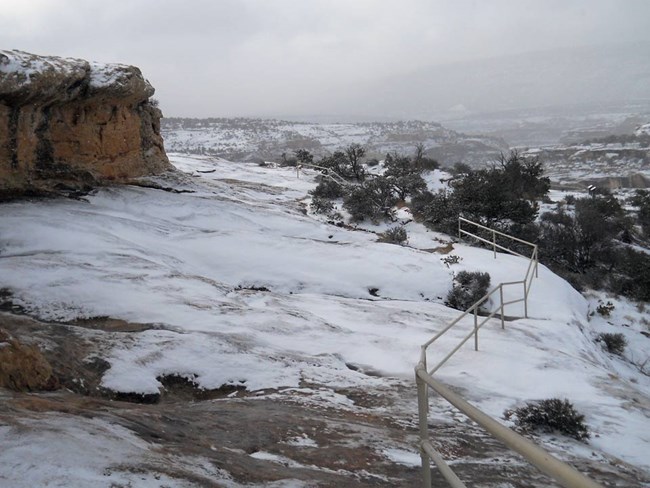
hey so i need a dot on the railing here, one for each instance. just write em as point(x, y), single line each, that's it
point(326, 172)
point(563, 473)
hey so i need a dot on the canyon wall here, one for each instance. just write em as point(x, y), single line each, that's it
point(70, 124)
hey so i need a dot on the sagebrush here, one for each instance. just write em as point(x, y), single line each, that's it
point(605, 309)
point(550, 415)
point(614, 342)
point(395, 235)
point(468, 288)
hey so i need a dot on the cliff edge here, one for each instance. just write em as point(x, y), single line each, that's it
point(69, 124)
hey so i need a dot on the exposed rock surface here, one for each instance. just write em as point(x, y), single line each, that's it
point(260, 438)
point(68, 123)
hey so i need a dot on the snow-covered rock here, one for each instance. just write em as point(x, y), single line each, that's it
point(69, 122)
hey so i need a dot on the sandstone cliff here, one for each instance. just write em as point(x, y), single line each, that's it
point(67, 123)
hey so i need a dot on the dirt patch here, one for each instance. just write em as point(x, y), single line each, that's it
point(132, 397)
point(446, 249)
point(177, 388)
point(110, 324)
point(252, 288)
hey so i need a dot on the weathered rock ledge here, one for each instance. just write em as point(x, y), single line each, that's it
point(70, 124)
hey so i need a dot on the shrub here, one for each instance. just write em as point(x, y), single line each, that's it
point(580, 240)
point(371, 163)
point(404, 175)
point(321, 206)
point(373, 199)
point(336, 163)
point(641, 199)
point(460, 168)
point(428, 164)
point(468, 288)
point(288, 160)
point(451, 259)
point(347, 163)
point(614, 342)
point(404, 186)
point(424, 163)
point(550, 415)
point(632, 274)
point(304, 156)
point(355, 153)
point(395, 235)
point(23, 367)
point(328, 188)
point(605, 309)
point(436, 210)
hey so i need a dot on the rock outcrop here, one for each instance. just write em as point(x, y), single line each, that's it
point(70, 124)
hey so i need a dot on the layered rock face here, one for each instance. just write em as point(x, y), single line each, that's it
point(69, 124)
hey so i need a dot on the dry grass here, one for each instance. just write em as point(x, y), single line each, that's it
point(23, 368)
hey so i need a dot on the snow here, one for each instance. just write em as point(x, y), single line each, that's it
point(259, 138)
point(400, 456)
point(302, 441)
point(195, 266)
point(436, 180)
point(643, 130)
point(73, 451)
point(22, 67)
point(285, 461)
point(105, 75)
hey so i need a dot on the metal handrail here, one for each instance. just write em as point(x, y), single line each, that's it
point(494, 231)
point(561, 472)
point(327, 172)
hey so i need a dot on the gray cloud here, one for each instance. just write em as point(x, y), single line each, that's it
point(247, 57)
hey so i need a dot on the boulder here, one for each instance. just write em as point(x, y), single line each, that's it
point(67, 123)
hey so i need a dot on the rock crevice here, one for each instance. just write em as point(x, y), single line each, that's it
point(70, 123)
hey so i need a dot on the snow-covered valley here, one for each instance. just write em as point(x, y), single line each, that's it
point(239, 290)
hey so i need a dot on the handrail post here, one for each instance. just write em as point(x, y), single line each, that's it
point(503, 325)
point(536, 262)
point(459, 222)
point(423, 408)
point(494, 243)
point(426, 387)
point(525, 300)
point(476, 328)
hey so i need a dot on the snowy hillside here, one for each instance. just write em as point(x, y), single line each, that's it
point(242, 287)
point(242, 139)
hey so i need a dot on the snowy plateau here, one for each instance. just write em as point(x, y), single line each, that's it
point(301, 335)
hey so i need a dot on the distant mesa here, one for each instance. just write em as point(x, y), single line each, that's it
point(67, 124)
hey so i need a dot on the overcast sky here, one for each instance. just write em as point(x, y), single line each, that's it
point(283, 57)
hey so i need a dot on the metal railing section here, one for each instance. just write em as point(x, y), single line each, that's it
point(533, 262)
point(563, 473)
